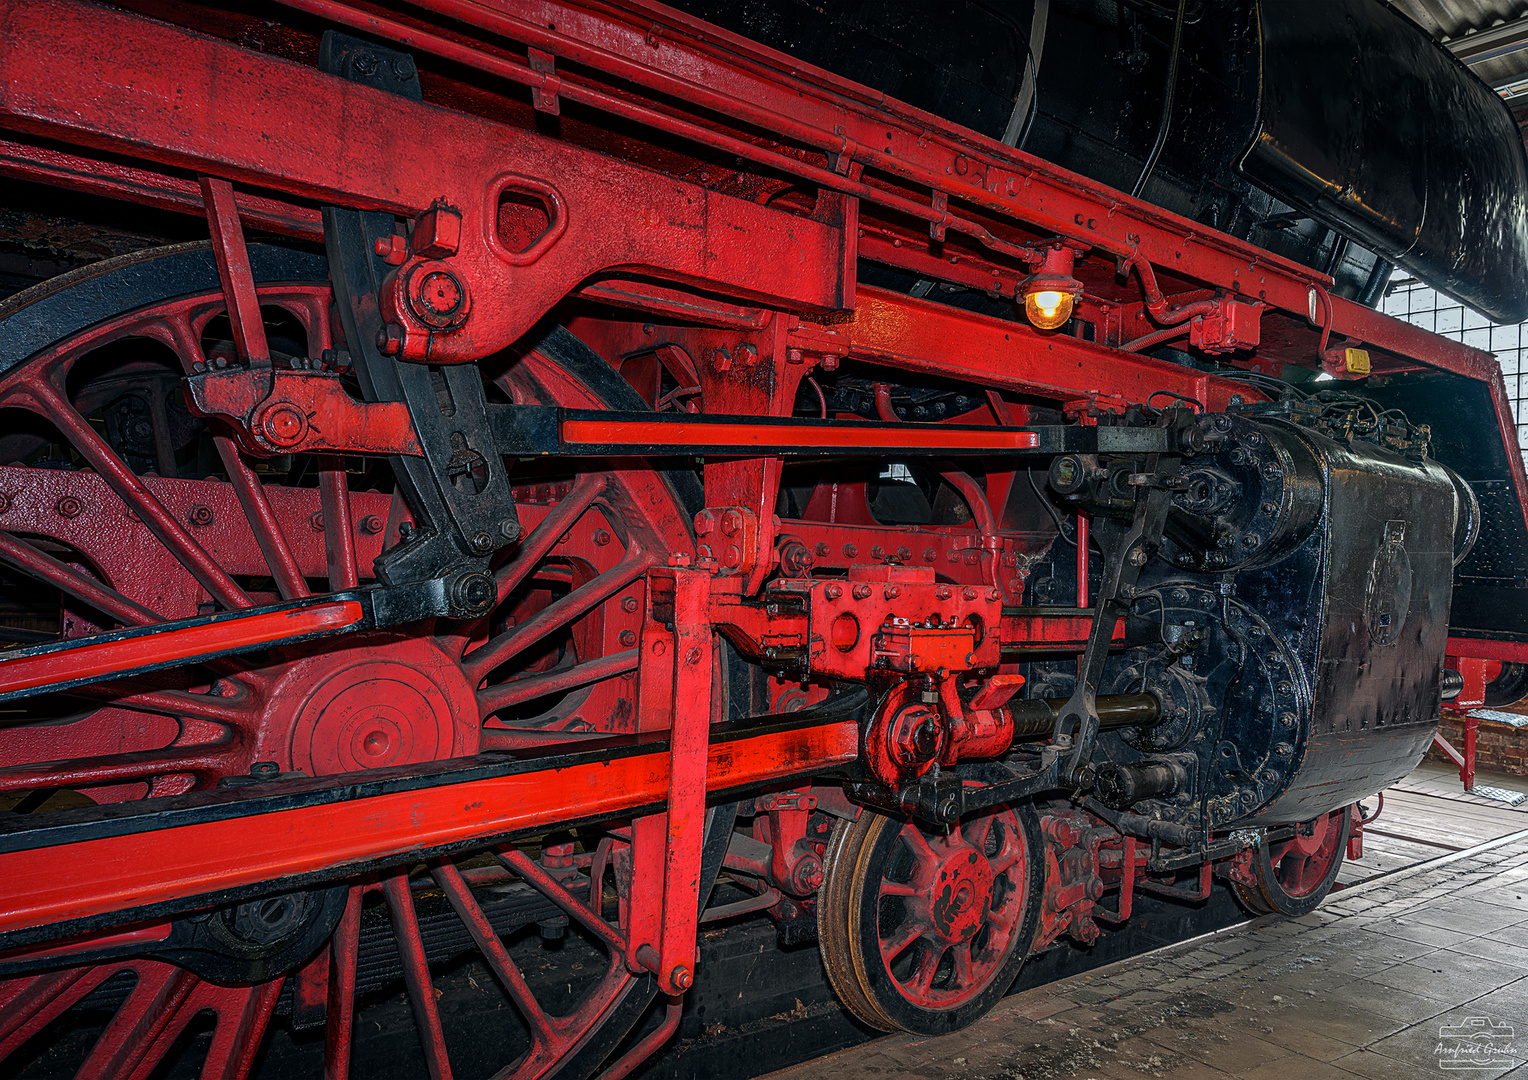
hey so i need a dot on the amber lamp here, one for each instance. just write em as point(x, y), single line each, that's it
point(1050, 291)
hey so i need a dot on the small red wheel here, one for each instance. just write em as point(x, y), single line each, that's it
point(925, 931)
point(1294, 875)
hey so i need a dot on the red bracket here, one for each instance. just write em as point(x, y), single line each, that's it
point(675, 692)
point(305, 411)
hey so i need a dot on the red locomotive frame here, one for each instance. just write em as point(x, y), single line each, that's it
point(695, 218)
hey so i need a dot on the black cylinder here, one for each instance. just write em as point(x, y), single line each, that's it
point(1122, 786)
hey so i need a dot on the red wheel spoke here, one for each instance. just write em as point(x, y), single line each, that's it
point(32, 1003)
point(548, 886)
point(530, 687)
point(272, 542)
point(965, 967)
point(69, 580)
point(219, 710)
point(928, 966)
point(339, 535)
point(205, 762)
point(545, 536)
point(133, 491)
point(898, 888)
point(480, 662)
point(243, 1012)
point(344, 951)
point(907, 933)
point(416, 974)
point(921, 849)
point(504, 968)
point(150, 1007)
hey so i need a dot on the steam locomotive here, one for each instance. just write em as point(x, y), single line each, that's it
point(573, 472)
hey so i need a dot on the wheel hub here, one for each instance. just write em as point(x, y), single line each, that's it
point(961, 888)
point(389, 702)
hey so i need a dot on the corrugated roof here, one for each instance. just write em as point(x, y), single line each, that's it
point(1459, 24)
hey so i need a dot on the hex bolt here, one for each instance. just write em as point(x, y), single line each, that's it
point(892, 592)
point(929, 555)
point(601, 537)
point(705, 521)
point(200, 515)
point(833, 592)
point(877, 552)
point(943, 592)
point(732, 522)
point(862, 592)
point(721, 361)
point(829, 362)
point(850, 551)
point(629, 604)
point(628, 638)
point(681, 977)
point(823, 551)
point(371, 524)
point(968, 593)
point(510, 530)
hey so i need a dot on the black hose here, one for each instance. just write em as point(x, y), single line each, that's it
point(1167, 103)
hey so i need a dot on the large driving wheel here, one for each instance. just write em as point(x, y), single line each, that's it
point(120, 508)
point(924, 931)
point(1293, 876)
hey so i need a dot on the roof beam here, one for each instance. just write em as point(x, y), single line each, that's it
point(1491, 43)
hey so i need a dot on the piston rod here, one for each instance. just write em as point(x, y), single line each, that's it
point(1036, 718)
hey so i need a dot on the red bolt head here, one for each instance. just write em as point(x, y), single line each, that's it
point(968, 593)
point(371, 524)
point(861, 592)
point(628, 604)
point(201, 515)
point(833, 592)
point(705, 521)
point(282, 424)
point(681, 977)
point(829, 362)
point(628, 638)
point(601, 537)
point(733, 558)
point(69, 507)
point(732, 521)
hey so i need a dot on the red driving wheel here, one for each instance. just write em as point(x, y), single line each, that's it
point(119, 508)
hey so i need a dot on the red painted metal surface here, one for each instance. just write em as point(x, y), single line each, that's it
point(715, 293)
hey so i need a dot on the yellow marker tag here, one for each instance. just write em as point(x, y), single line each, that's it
point(1358, 361)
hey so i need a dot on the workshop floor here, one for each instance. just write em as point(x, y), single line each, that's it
point(1419, 973)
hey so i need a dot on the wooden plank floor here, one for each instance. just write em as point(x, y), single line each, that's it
point(1428, 814)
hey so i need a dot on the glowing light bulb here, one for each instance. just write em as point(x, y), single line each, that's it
point(1048, 308)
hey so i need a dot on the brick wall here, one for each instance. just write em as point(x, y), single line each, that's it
point(1498, 747)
